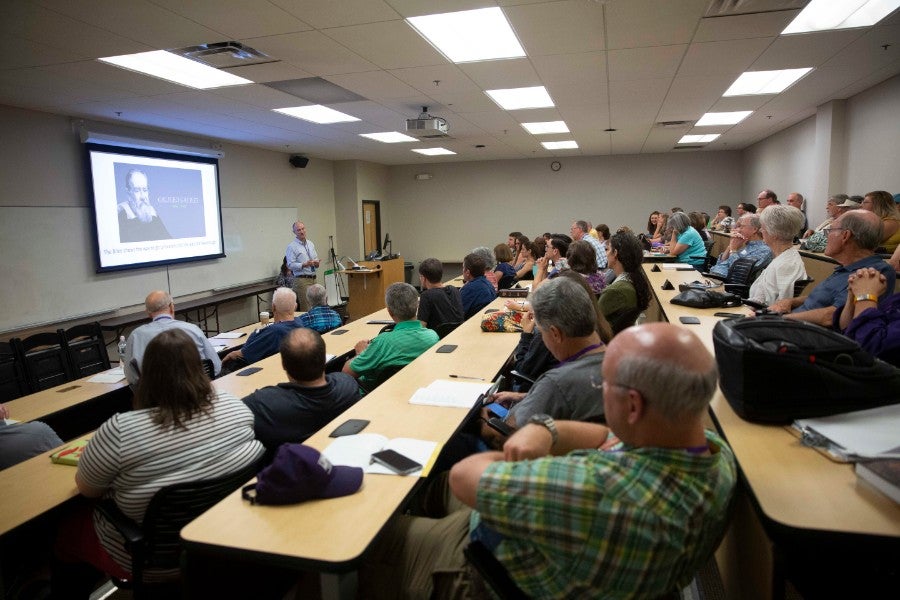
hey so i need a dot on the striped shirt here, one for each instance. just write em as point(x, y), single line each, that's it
point(132, 458)
point(595, 524)
point(320, 318)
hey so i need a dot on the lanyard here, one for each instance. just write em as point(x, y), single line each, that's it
point(579, 354)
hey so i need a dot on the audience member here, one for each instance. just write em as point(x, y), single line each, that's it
point(525, 270)
point(562, 494)
point(796, 200)
point(652, 220)
point(511, 240)
point(766, 198)
point(376, 359)
point(882, 204)
point(580, 258)
point(746, 242)
point(505, 271)
point(264, 342)
point(438, 304)
point(831, 209)
point(779, 226)
point(21, 441)
point(477, 292)
point(875, 325)
point(723, 220)
point(320, 316)
point(662, 225)
point(698, 222)
point(518, 258)
point(745, 207)
point(630, 289)
point(579, 233)
point(161, 308)
point(285, 277)
point(685, 242)
point(181, 430)
point(489, 263)
point(553, 261)
point(676, 209)
point(293, 411)
point(852, 240)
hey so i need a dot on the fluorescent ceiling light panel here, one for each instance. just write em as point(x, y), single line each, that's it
point(516, 98)
point(755, 83)
point(389, 137)
point(470, 35)
point(546, 127)
point(317, 114)
point(722, 118)
point(433, 151)
point(567, 145)
point(698, 139)
point(176, 69)
point(824, 15)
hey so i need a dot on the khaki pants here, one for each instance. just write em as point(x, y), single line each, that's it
point(300, 285)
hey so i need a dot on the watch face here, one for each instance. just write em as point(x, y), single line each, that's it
point(556, 165)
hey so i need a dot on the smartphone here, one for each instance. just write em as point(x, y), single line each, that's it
point(500, 425)
point(498, 409)
point(395, 461)
point(339, 331)
point(689, 320)
point(249, 371)
point(349, 427)
point(446, 348)
point(729, 315)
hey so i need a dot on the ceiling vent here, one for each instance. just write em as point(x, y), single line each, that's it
point(224, 55)
point(674, 124)
point(426, 126)
point(687, 147)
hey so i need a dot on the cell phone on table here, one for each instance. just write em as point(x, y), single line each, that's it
point(396, 462)
point(349, 427)
point(500, 425)
point(498, 410)
point(729, 315)
point(689, 320)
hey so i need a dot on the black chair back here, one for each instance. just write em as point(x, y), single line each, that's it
point(13, 383)
point(444, 329)
point(208, 368)
point(800, 285)
point(156, 543)
point(623, 319)
point(45, 361)
point(336, 364)
point(492, 572)
point(85, 349)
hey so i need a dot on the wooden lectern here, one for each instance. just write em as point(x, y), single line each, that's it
point(366, 286)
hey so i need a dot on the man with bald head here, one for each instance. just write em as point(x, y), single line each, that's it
point(161, 308)
point(567, 508)
point(303, 261)
point(852, 239)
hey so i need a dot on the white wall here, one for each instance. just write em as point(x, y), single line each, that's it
point(873, 139)
point(479, 203)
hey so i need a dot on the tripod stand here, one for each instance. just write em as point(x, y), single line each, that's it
point(338, 280)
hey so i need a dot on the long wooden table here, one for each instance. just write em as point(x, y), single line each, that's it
point(796, 492)
point(330, 536)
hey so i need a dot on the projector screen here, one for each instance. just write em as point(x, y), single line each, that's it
point(153, 207)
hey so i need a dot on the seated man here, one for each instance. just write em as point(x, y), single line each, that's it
point(567, 510)
point(21, 441)
point(438, 304)
point(264, 342)
point(320, 316)
point(477, 292)
point(567, 320)
point(161, 308)
point(376, 359)
point(852, 240)
point(746, 242)
point(293, 411)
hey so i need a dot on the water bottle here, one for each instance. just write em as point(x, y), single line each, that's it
point(123, 346)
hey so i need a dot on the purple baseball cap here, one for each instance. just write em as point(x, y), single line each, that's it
point(299, 473)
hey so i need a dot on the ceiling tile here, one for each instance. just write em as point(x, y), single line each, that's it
point(558, 27)
point(739, 27)
point(389, 44)
point(237, 18)
point(645, 63)
point(732, 57)
point(501, 74)
point(313, 52)
point(639, 23)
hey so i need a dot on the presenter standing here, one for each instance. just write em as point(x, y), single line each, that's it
point(303, 261)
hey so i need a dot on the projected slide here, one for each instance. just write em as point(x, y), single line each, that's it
point(153, 208)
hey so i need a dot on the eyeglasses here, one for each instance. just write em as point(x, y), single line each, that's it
point(599, 386)
point(828, 230)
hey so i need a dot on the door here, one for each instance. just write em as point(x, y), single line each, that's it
point(371, 213)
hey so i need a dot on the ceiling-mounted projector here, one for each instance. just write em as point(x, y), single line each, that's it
point(427, 126)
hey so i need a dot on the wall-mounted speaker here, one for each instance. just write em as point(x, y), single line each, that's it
point(298, 162)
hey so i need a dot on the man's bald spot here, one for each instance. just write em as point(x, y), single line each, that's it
point(663, 342)
point(157, 301)
point(300, 339)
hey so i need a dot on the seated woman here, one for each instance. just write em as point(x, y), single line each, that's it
point(662, 224)
point(685, 242)
point(875, 326)
point(698, 222)
point(723, 220)
point(181, 430)
point(882, 204)
point(651, 223)
point(779, 224)
point(630, 290)
point(526, 254)
point(583, 260)
point(518, 254)
point(506, 273)
point(285, 277)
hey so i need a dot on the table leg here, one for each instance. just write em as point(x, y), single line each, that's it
point(337, 586)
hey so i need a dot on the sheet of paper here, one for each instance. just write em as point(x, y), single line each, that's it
point(356, 451)
point(458, 394)
point(228, 335)
point(676, 267)
point(112, 376)
point(863, 433)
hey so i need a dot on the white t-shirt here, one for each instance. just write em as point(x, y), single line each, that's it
point(777, 280)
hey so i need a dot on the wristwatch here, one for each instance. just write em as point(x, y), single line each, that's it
point(866, 298)
point(546, 421)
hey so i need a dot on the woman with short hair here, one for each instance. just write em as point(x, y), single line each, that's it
point(685, 242)
point(779, 223)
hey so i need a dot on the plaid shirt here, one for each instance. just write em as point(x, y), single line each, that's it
point(320, 318)
point(596, 524)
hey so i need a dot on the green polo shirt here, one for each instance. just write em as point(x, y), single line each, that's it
point(395, 348)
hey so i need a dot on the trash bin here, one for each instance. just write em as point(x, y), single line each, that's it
point(407, 271)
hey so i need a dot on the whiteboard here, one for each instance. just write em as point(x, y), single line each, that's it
point(47, 267)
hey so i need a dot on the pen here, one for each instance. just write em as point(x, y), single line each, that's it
point(466, 377)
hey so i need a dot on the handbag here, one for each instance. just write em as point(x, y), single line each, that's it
point(704, 298)
point(776, 370)
point(504, 321)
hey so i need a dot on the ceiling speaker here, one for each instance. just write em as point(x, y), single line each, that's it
point(298, 161)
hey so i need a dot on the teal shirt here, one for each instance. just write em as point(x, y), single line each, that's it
point(696, 253)
point(607, 524)
point(394, 348)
